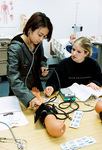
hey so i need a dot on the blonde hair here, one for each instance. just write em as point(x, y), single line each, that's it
point(86, 44)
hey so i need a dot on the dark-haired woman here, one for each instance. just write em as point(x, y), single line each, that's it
point(26, 59)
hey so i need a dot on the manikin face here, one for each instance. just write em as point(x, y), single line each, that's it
point(38, 35)
point(78, 53)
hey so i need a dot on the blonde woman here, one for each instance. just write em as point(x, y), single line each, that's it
point(79, 68)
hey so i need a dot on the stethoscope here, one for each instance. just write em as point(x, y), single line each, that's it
point(33, 53)
point(21, 143)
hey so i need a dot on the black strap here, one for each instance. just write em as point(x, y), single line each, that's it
point(43, 111)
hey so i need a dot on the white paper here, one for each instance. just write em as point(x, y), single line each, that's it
point(17, 119)
point(11, 113)
point(83, 92)
point(9, 104)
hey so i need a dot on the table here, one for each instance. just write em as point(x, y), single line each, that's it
point(38, 138)
point(99, 52)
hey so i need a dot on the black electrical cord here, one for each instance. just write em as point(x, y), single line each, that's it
point(69, 101)
point(68, 106)
point(52, 99)
point(62, 112)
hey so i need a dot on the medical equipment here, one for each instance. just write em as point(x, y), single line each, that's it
point(59, 48)
point(77, 27)
point(67, 94)
point(32, 58)
point(20, 142)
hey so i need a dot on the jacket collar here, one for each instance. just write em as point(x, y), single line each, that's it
point(24, 49)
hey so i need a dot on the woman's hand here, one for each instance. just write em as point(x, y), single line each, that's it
point(44, 71)
point(49, 90)
point(34, 103)
point(93, 86)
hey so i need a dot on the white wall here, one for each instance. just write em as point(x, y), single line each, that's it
point(63, 16)
point(100, 19)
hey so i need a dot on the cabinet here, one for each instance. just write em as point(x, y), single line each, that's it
point(3, 55)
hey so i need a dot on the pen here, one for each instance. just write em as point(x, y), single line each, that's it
point(6, 114)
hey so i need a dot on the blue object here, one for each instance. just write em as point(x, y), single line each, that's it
point(94, 51)
point(69, 48)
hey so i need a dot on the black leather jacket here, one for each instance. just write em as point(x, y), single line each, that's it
point(18, 64)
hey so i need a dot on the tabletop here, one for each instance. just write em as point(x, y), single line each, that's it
point(38, 139)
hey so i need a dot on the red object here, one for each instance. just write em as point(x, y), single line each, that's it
point(98, 107)
point(72, 37)
point(11, 3)
point(54, 127)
